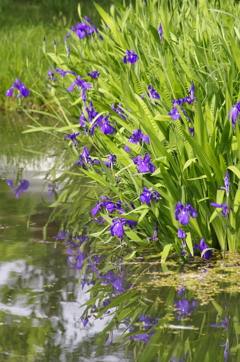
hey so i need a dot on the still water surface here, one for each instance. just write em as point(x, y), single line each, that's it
point(166, 313)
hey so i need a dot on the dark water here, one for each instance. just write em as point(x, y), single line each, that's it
point(141, 311)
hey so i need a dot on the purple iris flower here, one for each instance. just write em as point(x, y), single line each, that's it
point(226, 184)
point(127, 149)
point(85, 159)
point(51, 76)
point(223, 324)
point(183, 213)
point(160, 32)
point(106, 127)
point(22, 186)
point(82, 29)
point(181, 234)
point(61, 235)
point(234, 113)
point(202, 246)
point(155, 232)
point(223, 206)
point(226, 350)
point(80, 83)
point(52, 186)
point(148, 195)
point(94, 74)
point(119, 111)
point(174, 114)
point(117, 228)
point(130, 57)
point(22, 90)
point(115, 281)
point(144, 164)
point(184, 307)
point(192, 90)
point(138, 136)
point(153, 93)
point(73, 137)
point(64, 72)
point(191, 130)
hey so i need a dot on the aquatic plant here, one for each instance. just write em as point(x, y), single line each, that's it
point(184, 146)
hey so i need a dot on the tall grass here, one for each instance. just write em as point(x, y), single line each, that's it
point(23, 25)
point(200, 45)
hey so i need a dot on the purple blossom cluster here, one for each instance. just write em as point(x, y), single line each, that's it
point(183, 213)
point(138, 137)
point(94, 120)
point(82, 86)
point(22, 186)
point(144, 164)
point(130, 57)
point(22, 90)
point(94, 74)
point(147, 196)
point(118, 223)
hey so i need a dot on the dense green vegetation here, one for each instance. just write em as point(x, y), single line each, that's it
point(189, 165)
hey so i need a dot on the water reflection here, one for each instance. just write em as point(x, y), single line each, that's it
point(40, 294)
point(66, 296)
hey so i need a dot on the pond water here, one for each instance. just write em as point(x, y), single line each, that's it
point(134, 310)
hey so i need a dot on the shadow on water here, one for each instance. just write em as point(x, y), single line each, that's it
point(74, 303)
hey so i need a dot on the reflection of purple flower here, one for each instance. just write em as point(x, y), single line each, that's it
point(130, 57)
point(184, 307)
point(223, 323)
point(22, 90)
point(226, 350)
point(52, 186)
point(202, 246)
point(22, 186)
point(183, 213)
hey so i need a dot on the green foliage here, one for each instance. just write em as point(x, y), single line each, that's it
point(200, 44)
